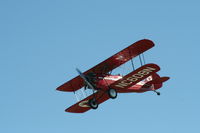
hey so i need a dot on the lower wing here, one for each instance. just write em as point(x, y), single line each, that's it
point(134, 77)
point(83, 106)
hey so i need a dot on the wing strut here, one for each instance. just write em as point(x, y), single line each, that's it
point(77, 99)
point(132, 61)
point(142, 59)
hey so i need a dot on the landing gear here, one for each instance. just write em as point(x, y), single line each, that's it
point(112, 93)
point(93, 103)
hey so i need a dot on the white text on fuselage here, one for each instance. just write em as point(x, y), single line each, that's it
point(135, 77)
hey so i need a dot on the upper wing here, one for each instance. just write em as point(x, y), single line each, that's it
point(109, 64)
point(82, 106)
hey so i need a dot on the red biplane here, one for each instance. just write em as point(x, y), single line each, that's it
point(106, 86)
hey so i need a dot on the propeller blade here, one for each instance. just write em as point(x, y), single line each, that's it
point(85, 79)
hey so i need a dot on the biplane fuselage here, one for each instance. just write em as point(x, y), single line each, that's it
point(106, 86)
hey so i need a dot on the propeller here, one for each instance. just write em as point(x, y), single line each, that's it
point(84, 77)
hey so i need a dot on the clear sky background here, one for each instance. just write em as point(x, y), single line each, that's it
point(43, 41)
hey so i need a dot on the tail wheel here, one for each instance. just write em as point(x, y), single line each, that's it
point(112, 93)
point(93, 104)
point(158, 93)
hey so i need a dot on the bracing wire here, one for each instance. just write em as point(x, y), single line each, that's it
point(140, 60)
point(132, 64)
point(131, 61)
point(143, 59)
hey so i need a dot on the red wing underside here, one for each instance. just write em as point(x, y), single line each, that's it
point(82, 106)
point(111, 63)
point(135, 77)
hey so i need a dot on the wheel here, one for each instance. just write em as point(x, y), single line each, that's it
point(93, 104)
point(112, 93)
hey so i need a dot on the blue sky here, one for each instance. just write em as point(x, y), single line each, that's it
point(43, 41)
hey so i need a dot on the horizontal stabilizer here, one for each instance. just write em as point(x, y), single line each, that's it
point(155, 81)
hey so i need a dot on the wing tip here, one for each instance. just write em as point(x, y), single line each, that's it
point(147, 41)
point(60, 88)
point(64, 88)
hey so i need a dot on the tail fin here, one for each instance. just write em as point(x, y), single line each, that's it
point(155, 76)
point(152, 77)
